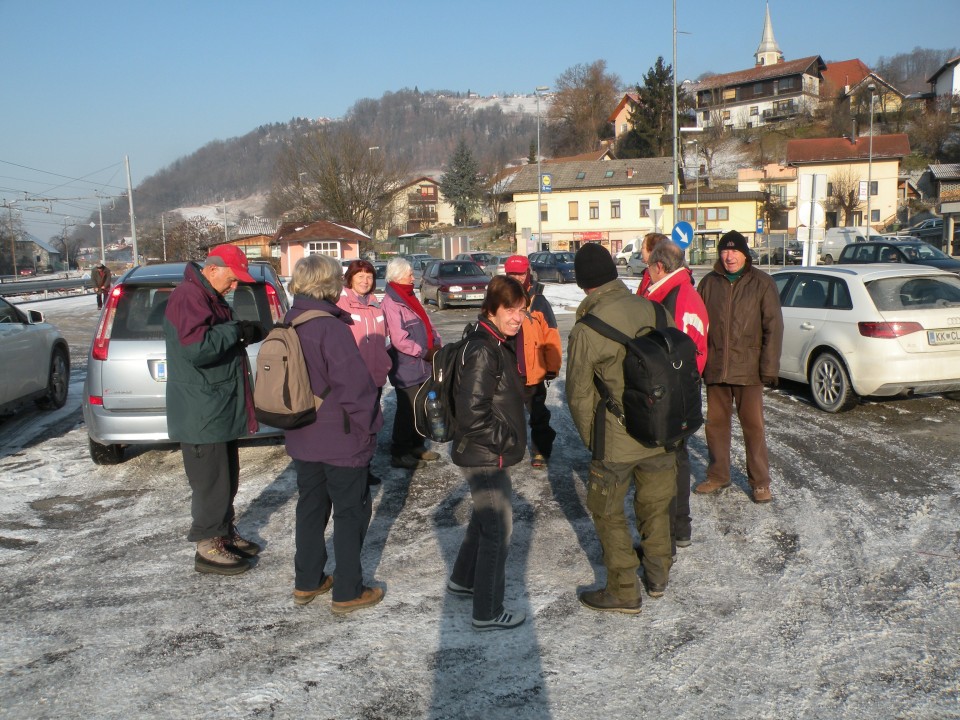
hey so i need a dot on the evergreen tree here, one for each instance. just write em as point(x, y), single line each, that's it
point(461, 184)
point(652, 117)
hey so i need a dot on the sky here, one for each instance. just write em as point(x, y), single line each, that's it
point(86, 84)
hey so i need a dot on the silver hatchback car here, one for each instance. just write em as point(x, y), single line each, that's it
point(124, 396)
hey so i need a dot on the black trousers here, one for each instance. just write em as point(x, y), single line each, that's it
point(405, 436)
point(541, 434)
point(680, 506)
point(213, 471)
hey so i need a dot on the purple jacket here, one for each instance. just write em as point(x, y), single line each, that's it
point(408, 342)
point(370, 332)
point(345, 431)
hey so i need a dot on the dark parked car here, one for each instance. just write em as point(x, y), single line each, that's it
point(552, 266)
point(35, 360)
point(789, 254)
point(124, 396)
point(485, 260)
point(898, 251)
point(454, 282)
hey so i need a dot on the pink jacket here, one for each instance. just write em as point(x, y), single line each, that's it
point(369, 330)
point(691, 315)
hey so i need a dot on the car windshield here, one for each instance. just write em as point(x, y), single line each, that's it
point(915, 293)
point(481, 257)
point(564, 257)
point(923, 251)
point(464, 269)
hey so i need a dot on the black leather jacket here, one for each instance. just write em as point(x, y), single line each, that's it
point(491, 429)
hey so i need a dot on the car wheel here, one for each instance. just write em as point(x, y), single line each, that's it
point(621, 261)
point(441, 303)
point(105, 454)
point(828, 259)
point(423, 297)
point(58, 381)
point(830, 384)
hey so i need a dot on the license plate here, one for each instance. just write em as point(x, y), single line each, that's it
point(943, 337)
point(160, 371)
point(475, 296)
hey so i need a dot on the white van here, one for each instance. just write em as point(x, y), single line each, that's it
point(626, 251)
point(837, 238)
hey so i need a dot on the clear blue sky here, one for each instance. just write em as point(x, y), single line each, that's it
point(85, 83)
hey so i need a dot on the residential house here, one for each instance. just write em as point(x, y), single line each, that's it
point(946, 180)
point(778, 183)
point(38, 255)
point(297, 240)
point(620, 117)
point(827, 167)
point(255, 247)
point(946, 81)
point(847, 84)
point(607, 201)
point(419, 205)
point(770, 92)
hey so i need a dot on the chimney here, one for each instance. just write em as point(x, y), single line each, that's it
point(629, 172)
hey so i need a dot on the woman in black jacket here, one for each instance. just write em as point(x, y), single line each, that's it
point(490, 436)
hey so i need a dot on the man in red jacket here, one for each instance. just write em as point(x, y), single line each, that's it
point(671, 285)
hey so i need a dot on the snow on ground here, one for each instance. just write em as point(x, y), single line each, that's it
point(839, 600)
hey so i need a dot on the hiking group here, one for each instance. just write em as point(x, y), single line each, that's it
point(502, 369)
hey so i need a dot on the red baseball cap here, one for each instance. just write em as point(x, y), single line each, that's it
point(232, 257)
point(516, 265)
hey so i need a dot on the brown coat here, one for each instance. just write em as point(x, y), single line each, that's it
point(746, 328)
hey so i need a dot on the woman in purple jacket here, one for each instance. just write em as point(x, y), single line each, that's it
point(413, 342)
point(369, 327)
point(332, 454)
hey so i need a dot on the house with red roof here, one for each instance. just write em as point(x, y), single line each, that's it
point(847, 83)
point(620, 117)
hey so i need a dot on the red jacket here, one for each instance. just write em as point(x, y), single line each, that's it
point(691, 313)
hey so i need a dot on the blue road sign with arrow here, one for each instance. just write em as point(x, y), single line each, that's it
point(682, 234)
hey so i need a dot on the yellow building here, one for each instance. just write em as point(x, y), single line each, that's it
point(607, 201)
point(864, 173)
point(418, 206)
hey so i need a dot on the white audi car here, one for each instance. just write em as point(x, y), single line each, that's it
point(870, 330)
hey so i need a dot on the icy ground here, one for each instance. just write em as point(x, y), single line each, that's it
point(841, 599)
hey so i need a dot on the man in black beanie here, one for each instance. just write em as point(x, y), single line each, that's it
point(617, 457)
point(743, 355)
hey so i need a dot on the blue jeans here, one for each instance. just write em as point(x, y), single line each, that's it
point(482, 559)
point(344, 489)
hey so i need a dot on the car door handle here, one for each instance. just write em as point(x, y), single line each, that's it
point(807, 326)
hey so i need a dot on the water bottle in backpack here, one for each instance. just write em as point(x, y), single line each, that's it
point(438, 427)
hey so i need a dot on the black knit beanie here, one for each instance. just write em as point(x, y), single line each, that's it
point(734, 241)
point(594, 266)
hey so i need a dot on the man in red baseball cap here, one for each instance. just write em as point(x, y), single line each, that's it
point(539, 353)
point(232, 257)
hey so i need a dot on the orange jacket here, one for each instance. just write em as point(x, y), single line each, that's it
point(542, 351)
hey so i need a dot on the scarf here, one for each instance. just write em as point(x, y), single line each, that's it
point(410, 300)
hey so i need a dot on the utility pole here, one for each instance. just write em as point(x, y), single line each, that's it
point(133, 222)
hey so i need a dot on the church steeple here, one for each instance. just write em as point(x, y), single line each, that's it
point(769, 52)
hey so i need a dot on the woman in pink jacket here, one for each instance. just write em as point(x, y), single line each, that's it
point(369, 328)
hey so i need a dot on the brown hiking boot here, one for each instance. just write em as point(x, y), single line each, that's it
point(603, 601)
point(711, 486)
point(407, 462)
point(239, 545)
point(762, 495)
point(424, 454)
point(214, 557)
point(368, 598)
point(305, 597)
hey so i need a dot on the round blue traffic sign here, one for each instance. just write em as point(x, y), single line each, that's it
point(682, 234)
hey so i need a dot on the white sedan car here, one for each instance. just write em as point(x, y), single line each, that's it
point(870, 330)
point(35, 360)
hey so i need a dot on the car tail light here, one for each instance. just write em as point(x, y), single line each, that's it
point(95, 400)
point(888, 330)
point(276, 311)
point(101, 341)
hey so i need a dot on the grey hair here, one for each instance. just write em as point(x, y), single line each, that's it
point(317, 276)
point(667, 253)
point(397, 268)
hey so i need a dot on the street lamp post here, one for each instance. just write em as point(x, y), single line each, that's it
point(537, 91)
point(872, 88)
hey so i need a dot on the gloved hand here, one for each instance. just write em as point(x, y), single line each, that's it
point(551, 376)
point(250, 332)
point(770, 382)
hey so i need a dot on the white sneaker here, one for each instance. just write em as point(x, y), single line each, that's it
point(504, 621)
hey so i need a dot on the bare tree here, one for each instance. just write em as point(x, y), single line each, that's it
point(336, 174)
point(845, 193)
point(584, 96)
point(932, 131)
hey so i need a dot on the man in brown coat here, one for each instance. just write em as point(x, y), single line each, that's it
point(743, 355)
point(101, 283)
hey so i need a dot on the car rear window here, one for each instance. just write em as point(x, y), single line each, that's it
point(914, 293)
point(141, 308)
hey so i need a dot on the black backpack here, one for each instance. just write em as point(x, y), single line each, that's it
point(661, 399)
point(446, 367)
